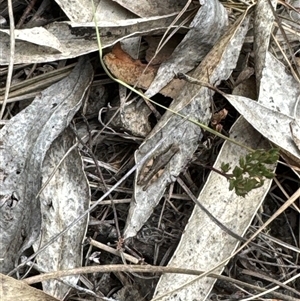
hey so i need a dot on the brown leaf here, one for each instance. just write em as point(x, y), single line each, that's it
point(135, 73)
point(218, 117)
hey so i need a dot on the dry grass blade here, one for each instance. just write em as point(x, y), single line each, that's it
point(11, 57)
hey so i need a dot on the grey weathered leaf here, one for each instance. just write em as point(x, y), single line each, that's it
point(211, 17)
point(65, 197)
point(37, 35)
point(82, 10)
point(24, 143)
point(78, 10)
point(194, 102)
point(76, 39)
point(263, 24)
point(204, 244)
point(295, 131)
point(272, 124)
point(279, 90)
point(147, 8)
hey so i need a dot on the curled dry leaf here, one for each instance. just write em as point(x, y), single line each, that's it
point(217, 118)
point(211, 17)
point(127, 69)
point(131, 116)
point(135, 73)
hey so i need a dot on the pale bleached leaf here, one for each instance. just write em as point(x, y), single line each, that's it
point(111, 10)
point(78, 10)
point(272, 124)
point(203, 243)
point(80, 38)
point(200, 233)
point(24, 143)
point(263, 25)
point(148, 8)
point(37, 35)
point(82, 10)
point(65, 197)
point(279, 90)
point(211, 17)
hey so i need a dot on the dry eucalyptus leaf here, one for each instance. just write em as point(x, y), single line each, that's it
point(132, 46)
point(111, 10)
point(203, 244)
point(71, 46)
point(263, 25)
point(24, 143)
point(211, 17)
point(199, 237)
point(277, 99)
point(272, 124)
point(80, 38)
point(37, 35)
point(82, 10)
point(295, 131)
point(134, 115)
point(128, 115)
point(126, 69)
point(78, 10)
point(12, 290)
point(277, 88)
point(135, 118)
point(182, 136)
point(148, 8)
point(135, 73)
point(65, 197)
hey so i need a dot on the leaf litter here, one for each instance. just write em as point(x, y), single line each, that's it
point(76, 37)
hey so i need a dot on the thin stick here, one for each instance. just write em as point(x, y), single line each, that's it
point(146, 269)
